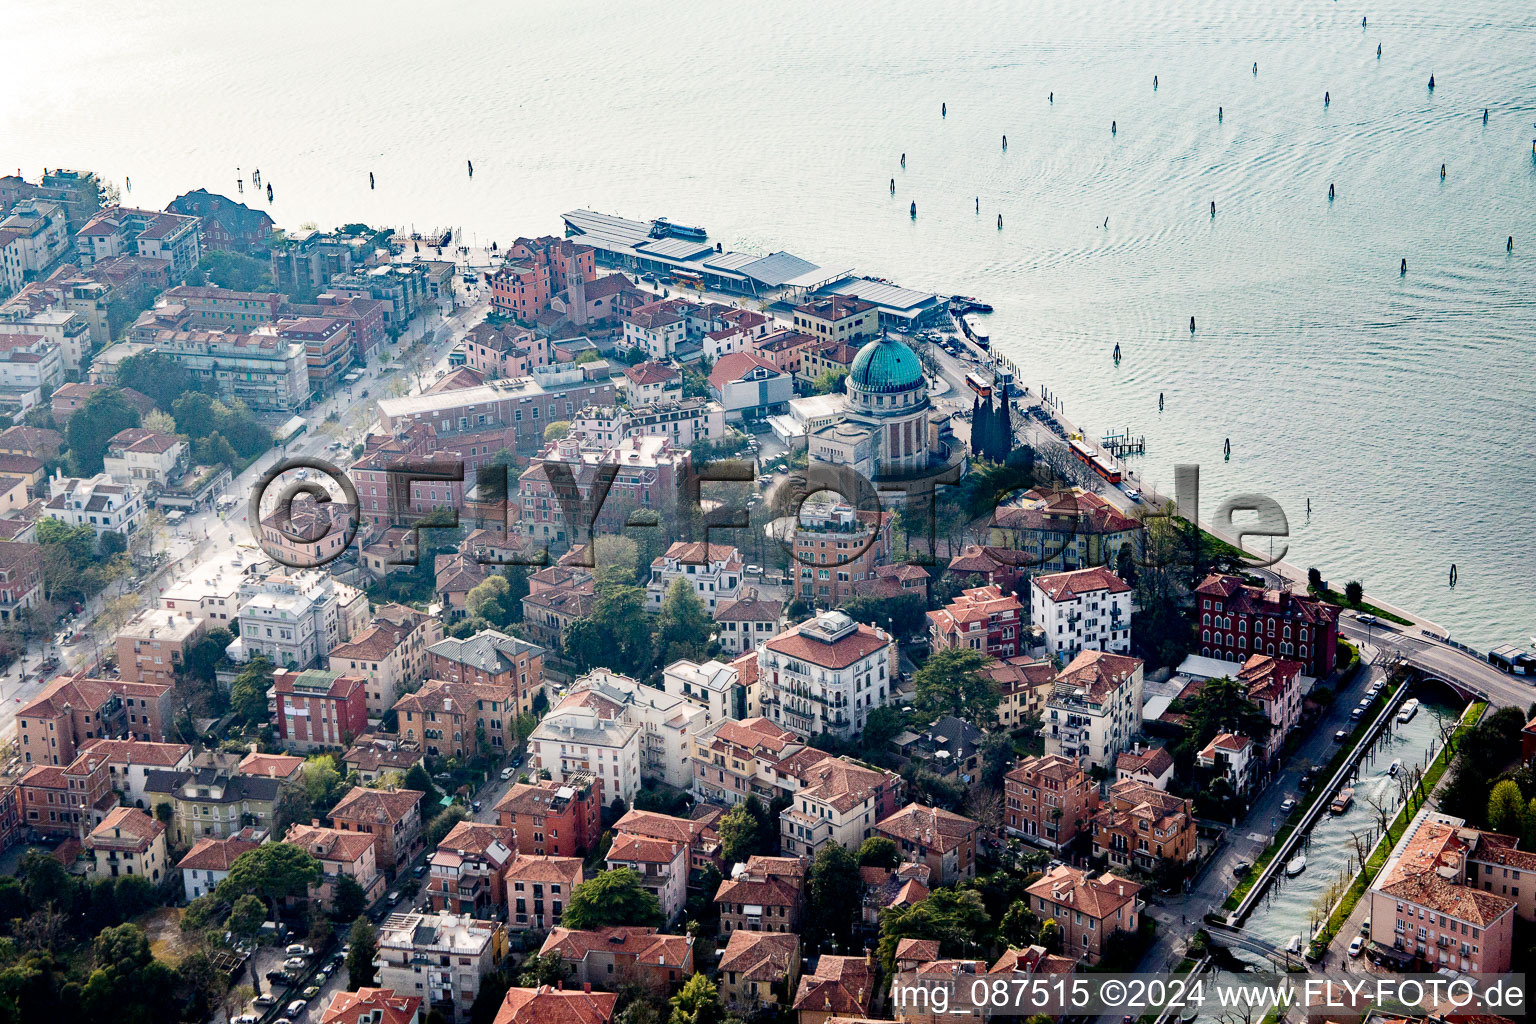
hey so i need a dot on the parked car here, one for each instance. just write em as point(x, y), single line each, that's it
point(506, 773)
point(474, 805)
point(296, 963)
point(1356, 947)
point(1241, 869)
point(296, 1007)
point(1365, 927)
point(392, 898)
point(311, 992)
point(264, 1000)
point(1288, 804)
point(299, 949)
point(245, 1018)
point(419, 870)
point(1340, 736)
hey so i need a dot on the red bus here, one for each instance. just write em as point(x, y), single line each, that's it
point(978, 384)
point(1096, 462)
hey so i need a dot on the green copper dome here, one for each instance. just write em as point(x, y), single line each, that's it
point(885, 365)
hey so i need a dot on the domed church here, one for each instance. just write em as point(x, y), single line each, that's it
point(884, 431)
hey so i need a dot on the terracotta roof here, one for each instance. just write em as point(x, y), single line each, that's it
point(755, 734)
point(1462, 902)
point(651, 372)
point(527, 867)
point(654, 825)
point(1066, 586)
point(276, 766)
point(439, 696)
point(840, 783)
point(209, 854)
point(749, 608)
point(1243, 599)
point(698, 553)
point(761, 956)
point(737, 365)
point(640, 850)
point(767, 892)
point(361, 1006)
point(1098, 897)
point(923, 950)
point(158, 755)
point(330, 844)
point(131, 822)
point(1033, 960)
point(859, 644)
point(931, 826)
point(1099, 672)
point(1152, 761)
point(545, 1005)
point(474, 837)
point(376, 805)
point(644, 944)
point(839, 985)
point(1050, 766)
point(375, 643)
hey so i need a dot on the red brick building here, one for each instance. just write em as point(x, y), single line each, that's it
point(328, 347)
point(392, 816)
point(535, 270)
point(318, 708)
point(1050, 799)
point(1235, 620)
point(490, 658)
point(469, 869)
point(558, 819)
point(981, 619)
point(67, 801)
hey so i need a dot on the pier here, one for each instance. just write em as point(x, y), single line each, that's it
point(1123, 444)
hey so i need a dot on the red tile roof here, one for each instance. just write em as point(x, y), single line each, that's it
point(545, 1005)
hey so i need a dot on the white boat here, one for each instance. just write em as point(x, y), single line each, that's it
point(1294, 946)
point(1394, 768)
point(1408, 710)
point(1296, 866)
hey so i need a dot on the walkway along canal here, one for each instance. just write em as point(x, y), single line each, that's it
point(1332, 842)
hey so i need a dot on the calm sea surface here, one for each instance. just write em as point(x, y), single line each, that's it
point(1402, 406)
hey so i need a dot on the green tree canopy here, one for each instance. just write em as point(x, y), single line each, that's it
point(879, 852)
point(613, 897)
point(1506, 808)
point(697, 1002)
point(741, 832)
point(272, 871)
point(832, 887)
point(957, 918)
point(365, 946)
point(955, 682)
point(683, 627)
point(92, 425)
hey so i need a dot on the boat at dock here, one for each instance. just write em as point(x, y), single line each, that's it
point(1407, 711)
point(960, 305)
point(1294, 946)
point(663, 228)
point(1296, 865)
point(972, 329)
point(1341, 802)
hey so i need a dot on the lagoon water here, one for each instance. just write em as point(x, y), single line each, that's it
point(1402, 406)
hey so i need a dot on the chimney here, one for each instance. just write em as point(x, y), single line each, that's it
point(586, 987)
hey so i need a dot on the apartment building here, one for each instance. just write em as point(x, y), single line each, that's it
point(747, 621)
point(538, 889)
point(491, 658)
point(1094, 711)
point(766, 894)
point(758, 971)
point(835, 546)
point(391, 816)
point(294, 618)
point(833, 800)
point(980, 619)
point(557, 819)
point(662, 867)
point(389, 654)
point(317, 709)
point(208, 800)
point(619, 957)
point(438, 958)
point(1049, 800)
point(152, 646)
point(1087, 609)
point(1236, 620)
point(734, 760)
point(1089, 908)
point(467, 873)
point(1140, 827)
point(943, 840)
point(128, 842)
point(825, 675)
point(698, 834)
point(713, 687)
point(341, 855)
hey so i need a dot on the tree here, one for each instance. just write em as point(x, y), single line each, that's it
point(350, 900)
point(981, 426)
point(996, 758)
point(556, 430)
point(418, 779)
point(248, 693)
point(1506, 808)
point(247, 916)
point(957, 918)
point(613, 897)
point(828, 382)
point(272, 871)
point(365, 946)
point(486, 602)
point(1314, 580)
point(159, 421)
point(92, 425)
point(1004, 426)
point(879, 852)
point(698, 1002)
point(1019, 925)
point(683, 627)
point(1221, 706)
point(442, 823)
point(157, 376)
point(1051, 935)
point(954, 682)
point(542, 969)
point(832, 887)
point(740, 833)
point(236, 271)
point(1354, 592)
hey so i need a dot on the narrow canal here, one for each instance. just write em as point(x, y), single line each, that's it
point(1296, 906)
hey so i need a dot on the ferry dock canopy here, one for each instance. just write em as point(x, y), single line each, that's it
point(900, 309)
point(628, 244)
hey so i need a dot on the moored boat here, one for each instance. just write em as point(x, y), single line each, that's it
point(1342, 800)
point(1408, 710)
point(1296, 865)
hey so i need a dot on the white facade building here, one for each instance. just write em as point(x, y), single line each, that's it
point(104, 506)
point(588, 732)
point(824, 675)
point(296, 619)
point(438, 958)
point(1094, 711)
point(1085, 610)
point(713, 570)
point(211, 589)
point(715, 688)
